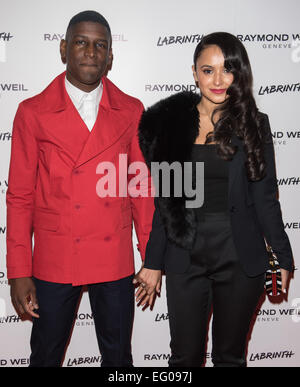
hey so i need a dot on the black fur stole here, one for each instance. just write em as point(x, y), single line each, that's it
point(167, 132)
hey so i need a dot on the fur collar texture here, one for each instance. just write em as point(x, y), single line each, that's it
point(167, 132)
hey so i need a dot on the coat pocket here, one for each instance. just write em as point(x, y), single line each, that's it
point(46, 220)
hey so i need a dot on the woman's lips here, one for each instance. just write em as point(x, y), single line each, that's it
point(218, 91)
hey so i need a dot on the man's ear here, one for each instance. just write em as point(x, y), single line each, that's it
point(110, 58)
point(63, 50)
point(109, 62)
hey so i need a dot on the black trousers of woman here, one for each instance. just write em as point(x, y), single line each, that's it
point(214, 280)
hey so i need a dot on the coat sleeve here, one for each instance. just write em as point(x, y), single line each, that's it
point(264, 194)
point(20, 196)
point(142, 205)
point(157, 244)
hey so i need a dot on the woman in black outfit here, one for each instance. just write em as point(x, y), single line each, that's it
point(214, 256)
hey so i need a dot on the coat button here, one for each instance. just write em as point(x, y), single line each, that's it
point(107, 238)
point(233, 209)
point(77, 206)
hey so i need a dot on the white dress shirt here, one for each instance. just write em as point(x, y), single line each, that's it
point(87, 104)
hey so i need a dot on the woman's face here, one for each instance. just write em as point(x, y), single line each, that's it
point(213, 79)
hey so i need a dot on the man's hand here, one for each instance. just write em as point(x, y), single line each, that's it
point(23, 296)
point(150, 283)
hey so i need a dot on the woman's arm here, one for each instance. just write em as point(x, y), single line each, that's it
point(268, 210)
point(156, 246)
point(149, 277)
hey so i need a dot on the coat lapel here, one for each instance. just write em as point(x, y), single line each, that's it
point(69, 132)
point(61, 120)
point(236, 163)
point(110, 124)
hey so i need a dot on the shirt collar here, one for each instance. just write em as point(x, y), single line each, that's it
point(78, 95)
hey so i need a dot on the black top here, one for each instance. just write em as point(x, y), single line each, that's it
point(215, 178)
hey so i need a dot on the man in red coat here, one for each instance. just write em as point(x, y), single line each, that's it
point(60, 137)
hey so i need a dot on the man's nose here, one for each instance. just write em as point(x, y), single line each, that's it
point(90, 50)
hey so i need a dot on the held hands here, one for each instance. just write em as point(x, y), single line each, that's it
point(23, 296)
point(149, 284)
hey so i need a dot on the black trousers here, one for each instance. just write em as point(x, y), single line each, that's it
point(214, 280)
point(112, 305)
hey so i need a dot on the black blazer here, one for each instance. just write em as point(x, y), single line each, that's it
point(167, 132)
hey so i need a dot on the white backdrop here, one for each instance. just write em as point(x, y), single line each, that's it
point(153, 45)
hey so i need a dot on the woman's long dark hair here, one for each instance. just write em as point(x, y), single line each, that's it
point(239, 113)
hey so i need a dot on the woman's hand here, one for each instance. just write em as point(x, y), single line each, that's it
point(149, 284)
point(284, 280)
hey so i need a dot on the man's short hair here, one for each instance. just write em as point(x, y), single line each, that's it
point(88, 16)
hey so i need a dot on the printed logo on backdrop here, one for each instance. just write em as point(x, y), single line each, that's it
point(253, 357)
point(284, 137)
point(288, 181)
point(179, 39)
point(5, 36)
point(12, 87)
point(271, 41)
point(283, 354)
point(5, 136)
point(292, 226)
point(56, 37)
point(276, 41)
point(84, 320)
point(161, 317)
point(280, 89)
point(3, 279)
point(83, 361)
point(10, 319)
point(173, 88)
point(273, 315)
point(15, 362)
point(262, 315)
point(266, 41)
point(157, 356)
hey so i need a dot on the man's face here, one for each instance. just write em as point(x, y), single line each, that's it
point(87, 53)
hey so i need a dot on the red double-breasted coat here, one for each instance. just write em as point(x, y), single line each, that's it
point(78, 236)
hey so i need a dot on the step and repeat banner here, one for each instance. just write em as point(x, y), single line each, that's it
point(153, 45)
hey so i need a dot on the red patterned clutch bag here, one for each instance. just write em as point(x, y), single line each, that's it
point(273, 275)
